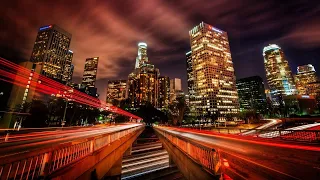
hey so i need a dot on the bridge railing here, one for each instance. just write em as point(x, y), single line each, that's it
point(40, 163)
point(207, 157)
point(292, 135)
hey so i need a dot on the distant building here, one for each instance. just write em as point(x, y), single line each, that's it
point(90, 72)
point(142, 57)
point(175, 89)
point(305, 74)
point(278, 73)
point(143, 81)
point(50, 51)
point(252, 94)
point(300, 104)
point(116, 90)
point(69, 68)
point(91, 91)
point(212, 72)
point(190, 77)
point(164, 92)
point(313, 89)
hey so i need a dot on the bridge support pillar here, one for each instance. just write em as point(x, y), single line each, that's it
point(171, 163)
point(128, 151)
point(115, 172)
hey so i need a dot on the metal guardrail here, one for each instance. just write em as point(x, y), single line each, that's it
point(206, 157)
point(292, 135)
point(41, 163)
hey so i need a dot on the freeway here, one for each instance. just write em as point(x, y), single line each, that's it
point(26, 142)
point(251, 159)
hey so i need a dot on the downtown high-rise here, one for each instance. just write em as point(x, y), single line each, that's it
point(278, 73)
point(212, 73)
point(306, 75)
point(164, 92)
point(90, 72)
point(50, 51)
point(175, 89)
point(143, 84)
point(252, 94)
point(68, 68)
point(116, 91)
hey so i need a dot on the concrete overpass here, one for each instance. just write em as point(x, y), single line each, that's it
point(242, 157)
point(76, 154)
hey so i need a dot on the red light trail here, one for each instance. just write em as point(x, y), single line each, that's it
point(21, 76)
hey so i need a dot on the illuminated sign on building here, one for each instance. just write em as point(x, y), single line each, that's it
point(215, 29)
point(305, 96)
point(45, 27)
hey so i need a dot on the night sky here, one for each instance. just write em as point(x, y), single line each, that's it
point(111, 30)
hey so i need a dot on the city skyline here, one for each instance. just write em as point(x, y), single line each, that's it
point(167, 48)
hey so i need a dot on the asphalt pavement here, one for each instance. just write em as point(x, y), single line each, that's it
point(251, 159)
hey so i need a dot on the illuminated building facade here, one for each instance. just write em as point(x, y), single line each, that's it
point(143, 81)
point(278, 73)
point(252, 94)
point(190, 77)
point(313, 89)
point(305, 74)
point(175, 89)
point(90, 72)
point(213, 73)
point(68, 69)
point(164, 92)
point(142, 57)
point(116, 91)
point(50, 51)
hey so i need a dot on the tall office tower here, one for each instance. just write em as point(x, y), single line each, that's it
point(306, 74)
point(143, 81)
point(213, 74)
point(252, 94)
point(50, 51)
point(142, 57)
point(175, 89)
point(278, 73)
point(116, 91)
point(190, 75)
point(164, 92)
point(68, 68)
point(90, 72)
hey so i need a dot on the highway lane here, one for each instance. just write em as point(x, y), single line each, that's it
point(271, 123)
point(32, 141)
point(263, 160)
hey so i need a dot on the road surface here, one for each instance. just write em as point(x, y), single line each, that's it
point(250, 159)
point(26, 142)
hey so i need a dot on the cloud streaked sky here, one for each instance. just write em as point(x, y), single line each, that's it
point(111, 30)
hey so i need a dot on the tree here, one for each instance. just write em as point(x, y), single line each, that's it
point(177, 110)
point(38, 115)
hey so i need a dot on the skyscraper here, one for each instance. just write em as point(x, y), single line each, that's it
point(252, 94)
point(50, 51)
point(142, 57)
point(278, 73)
point(175, 89)
point(116, 91)
point(90, 72)
point(164, 91)
point(213, 74)
point(68, 68)
point(190, 75)
point(306, 74)
point(143, 81)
